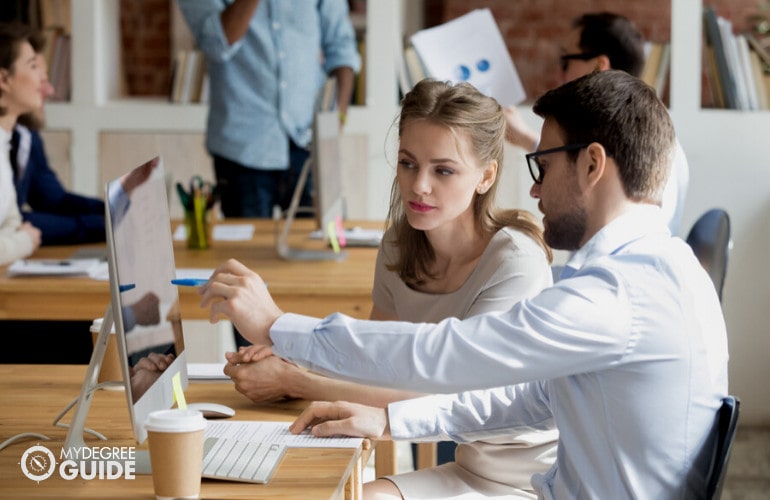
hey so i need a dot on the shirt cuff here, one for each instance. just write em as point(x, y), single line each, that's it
point(292, 336)
point(414, 419)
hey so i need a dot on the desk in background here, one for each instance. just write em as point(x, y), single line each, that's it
point(306, 287)
point(32, 395)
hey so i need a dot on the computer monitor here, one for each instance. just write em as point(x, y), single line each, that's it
point(328, 196)
point(144, 304)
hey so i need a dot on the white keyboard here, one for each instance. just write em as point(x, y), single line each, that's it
point(245, 461)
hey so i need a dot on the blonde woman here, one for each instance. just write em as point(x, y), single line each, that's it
point(448, 252)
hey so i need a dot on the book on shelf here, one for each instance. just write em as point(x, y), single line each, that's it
point(188, 77)
point(656, 66)
point(56, 14)
point(760, 49)
point(757, 73)
point(725, 81)
point(359, 90)
point(736, 65)
point(59, 73)
point(653, 51)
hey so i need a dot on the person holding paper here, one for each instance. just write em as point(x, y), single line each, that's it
point(19, 84)
point(448, 252)
point(598, 42)
point(627, 353)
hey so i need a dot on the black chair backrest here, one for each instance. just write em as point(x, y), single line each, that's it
point(727, 422)
point(711, 242)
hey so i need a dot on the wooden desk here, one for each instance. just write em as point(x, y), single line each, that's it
point(32, 395)
point(314, 288)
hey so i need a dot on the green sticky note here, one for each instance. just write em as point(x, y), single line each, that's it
point(176, 383)
point(330, 230)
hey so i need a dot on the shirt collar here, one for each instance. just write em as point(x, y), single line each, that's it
point(640, 220)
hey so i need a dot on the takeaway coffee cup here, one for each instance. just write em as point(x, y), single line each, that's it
point(110, 369)
point(176, 452)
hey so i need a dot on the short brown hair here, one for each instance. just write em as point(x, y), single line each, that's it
point(625, 116)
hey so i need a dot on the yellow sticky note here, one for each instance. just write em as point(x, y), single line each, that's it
point(330, 230)
point(176, 383)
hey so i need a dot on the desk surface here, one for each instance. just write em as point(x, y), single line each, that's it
point(316, 288)
point(32, 395)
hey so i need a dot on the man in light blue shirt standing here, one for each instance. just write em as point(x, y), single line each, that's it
point(266, 61)
point(627, 354)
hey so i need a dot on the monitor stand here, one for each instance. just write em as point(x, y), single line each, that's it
point(282, 245)
point(74, 439)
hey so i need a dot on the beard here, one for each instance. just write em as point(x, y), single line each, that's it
point(566, 231)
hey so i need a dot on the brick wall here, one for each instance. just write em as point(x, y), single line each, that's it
point(534, 29)
point(145, 35)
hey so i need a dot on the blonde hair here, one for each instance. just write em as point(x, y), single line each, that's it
point(460, 108)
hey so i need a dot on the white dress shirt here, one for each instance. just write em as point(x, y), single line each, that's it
point(631, 349)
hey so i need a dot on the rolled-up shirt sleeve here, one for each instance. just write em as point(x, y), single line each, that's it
point(203, 18)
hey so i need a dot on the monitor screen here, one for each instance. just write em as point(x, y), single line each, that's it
point(328, 196)
point(145, 304)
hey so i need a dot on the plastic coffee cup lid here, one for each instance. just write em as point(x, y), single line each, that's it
point(175, 420)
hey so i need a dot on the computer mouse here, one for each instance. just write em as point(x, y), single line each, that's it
point(212, 410)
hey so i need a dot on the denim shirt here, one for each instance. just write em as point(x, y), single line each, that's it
point(262, 88)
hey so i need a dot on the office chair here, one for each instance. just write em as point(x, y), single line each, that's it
point(711, 242)
point(727, 423)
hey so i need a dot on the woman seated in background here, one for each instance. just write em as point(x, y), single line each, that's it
point(20, 81)
point(63, 217)
point(448, 252)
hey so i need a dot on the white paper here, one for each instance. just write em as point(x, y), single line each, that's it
point(274, 432)
point(206, 371)
point(221, 232)
point(471, 48)
point(53, 267)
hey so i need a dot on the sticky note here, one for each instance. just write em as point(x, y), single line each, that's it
point(176, 383)
point(330, 230)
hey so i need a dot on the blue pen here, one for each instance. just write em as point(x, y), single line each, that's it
point(127, 287)
point(189, 281)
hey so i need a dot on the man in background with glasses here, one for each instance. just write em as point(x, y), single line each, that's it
point(598, 42)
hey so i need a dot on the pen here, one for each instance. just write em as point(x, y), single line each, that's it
point(189, 281)
point(126, 287)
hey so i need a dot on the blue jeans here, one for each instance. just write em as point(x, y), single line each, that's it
point(251, 192)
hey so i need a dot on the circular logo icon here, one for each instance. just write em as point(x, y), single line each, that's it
point(38, 463)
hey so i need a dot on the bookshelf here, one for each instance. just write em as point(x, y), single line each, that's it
point(110, 133)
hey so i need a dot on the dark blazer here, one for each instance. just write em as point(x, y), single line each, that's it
point(64, 218)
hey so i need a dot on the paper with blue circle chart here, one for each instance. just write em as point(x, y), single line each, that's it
point(471, 48)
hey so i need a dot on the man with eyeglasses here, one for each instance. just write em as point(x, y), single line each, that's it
point(598, 42)
point(627, 355)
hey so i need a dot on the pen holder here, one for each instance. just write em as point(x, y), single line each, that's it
point(196, 221)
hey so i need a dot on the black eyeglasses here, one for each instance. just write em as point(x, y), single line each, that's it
point(581, 56)
point(536, 170)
